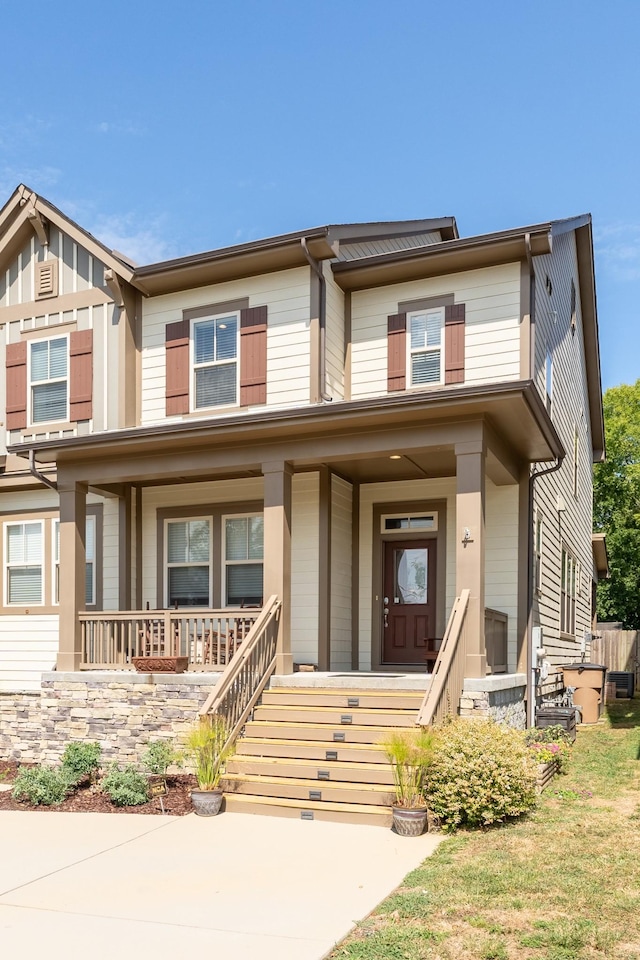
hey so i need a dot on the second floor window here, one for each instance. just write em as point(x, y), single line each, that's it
point(49, 386)
point(215, 362)
point(568, 591)
point(425, 347)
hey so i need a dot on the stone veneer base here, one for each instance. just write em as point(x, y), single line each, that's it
point(501, 697)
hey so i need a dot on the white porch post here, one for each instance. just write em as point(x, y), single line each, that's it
point(470, 552)
point(277, 552)
point(73, 519)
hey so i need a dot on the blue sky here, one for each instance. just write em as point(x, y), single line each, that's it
point(169, 128)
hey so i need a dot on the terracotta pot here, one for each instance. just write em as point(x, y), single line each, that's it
point(409, 822)
point(206, 803)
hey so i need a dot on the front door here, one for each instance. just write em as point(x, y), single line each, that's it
point(409, 609)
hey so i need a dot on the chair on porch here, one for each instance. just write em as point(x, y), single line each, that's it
point(219, 647)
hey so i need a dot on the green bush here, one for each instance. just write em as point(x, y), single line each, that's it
point(159, 756)
point(42, 785)
point(481, 773)
point(80, 760)
point(126, 786)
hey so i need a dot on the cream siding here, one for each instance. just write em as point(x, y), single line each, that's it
point(501, 559)
point(492, 327)
point(334, 337)
point(110, 554)
point(287, 297)
point(341, 565)
point(28, 645)
point(305, 567)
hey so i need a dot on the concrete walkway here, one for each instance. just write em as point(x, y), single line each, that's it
point(125, 886)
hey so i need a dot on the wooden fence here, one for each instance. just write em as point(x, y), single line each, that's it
point(618, 650)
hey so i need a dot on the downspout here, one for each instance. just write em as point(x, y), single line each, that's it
point(40, 476)
point(322, 319)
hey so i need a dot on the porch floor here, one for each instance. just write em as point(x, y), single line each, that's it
point(354, 680)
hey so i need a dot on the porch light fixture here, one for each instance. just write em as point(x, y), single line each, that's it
point(395, 456)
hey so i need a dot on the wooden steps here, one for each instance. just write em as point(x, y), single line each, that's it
point(313, 753)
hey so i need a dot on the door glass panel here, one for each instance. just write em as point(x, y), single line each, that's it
point(410, 570)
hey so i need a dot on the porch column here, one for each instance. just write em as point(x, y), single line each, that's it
point(124, 549)
point(277, 552)
point(73, 520)
point(470, 556)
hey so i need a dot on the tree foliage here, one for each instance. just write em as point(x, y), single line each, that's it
point(617, 506)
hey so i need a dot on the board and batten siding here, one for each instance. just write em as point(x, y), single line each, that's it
point(286, 295)
point(492, 325)
point(341, 566)
point(566, 518)
point(334, 336)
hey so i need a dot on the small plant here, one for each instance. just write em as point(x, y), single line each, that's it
point(410, 752)
point(42, 786)
point(125, 786)
point(482, 773)
point(550, 743)
point(81, 760)
point(159, 756)
point(207, 746)
point(568, 794)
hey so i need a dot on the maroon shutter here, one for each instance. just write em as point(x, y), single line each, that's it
point(16, 385)
point(253, 356)
point(454, 316)
point(397, 352)
point(81, 375)
point(177, 357)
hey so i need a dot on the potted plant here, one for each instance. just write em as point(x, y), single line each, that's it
point(208, 748)
point(410, 751)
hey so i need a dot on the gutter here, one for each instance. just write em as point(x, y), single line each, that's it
point(322, 318)
point(40, 476)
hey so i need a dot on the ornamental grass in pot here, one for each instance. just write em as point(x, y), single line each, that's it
point(410, 751)
point(207, 748)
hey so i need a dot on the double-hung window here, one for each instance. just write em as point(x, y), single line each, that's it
point(23, 550)
point(243, 560)
point(90, 557)
point(215, 361)
point(48, 380)
point(426, 347)
point(188, 563)
point(568, 584)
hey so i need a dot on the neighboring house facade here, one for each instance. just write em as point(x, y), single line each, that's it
point(348, 418)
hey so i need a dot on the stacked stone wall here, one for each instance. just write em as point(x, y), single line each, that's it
point(503, 705)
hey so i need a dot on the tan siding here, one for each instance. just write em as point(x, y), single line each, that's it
point(341, 539)
point(501, 553)
point(110, 555)
point(492, 329)
point(28, 646)
point(334, 337)
point(305, 569)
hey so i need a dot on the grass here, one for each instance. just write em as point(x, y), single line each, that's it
point(562, 884)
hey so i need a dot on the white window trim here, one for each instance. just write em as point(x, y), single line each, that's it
point(213, 363)
point(548, 378)
point(208, 521)
point(67, 380)
point(55, 533)
point(225, 562)
point(439, 349)
point(538, 519)
point(8, 565)
point(565, 550)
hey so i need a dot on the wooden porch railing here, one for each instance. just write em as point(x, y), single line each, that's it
point(245, 677)
point(447, 680)
point(496, 626)
point(209, 638)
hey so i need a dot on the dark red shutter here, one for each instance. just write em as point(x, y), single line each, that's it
point(81, 375)
point(16, 385)
point(177, 357)
point(397, 352)
point(454, 317)
point(253, 356)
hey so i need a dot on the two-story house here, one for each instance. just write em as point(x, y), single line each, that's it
point(369, 422)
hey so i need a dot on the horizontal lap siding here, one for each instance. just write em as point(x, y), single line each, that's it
point(286, 295)
point(28, 645)
point(334, 337)
point(501, 554)
point(111, 560)
point(492, 328)
point(305, 568)
point(341, 539)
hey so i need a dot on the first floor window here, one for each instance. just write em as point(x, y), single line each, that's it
point(426, 330)
point(243, 560)
point(48, 379)
point(188, 563)
point(568, 593)
point(90, 570)
point(215, 361)
point(23, 564)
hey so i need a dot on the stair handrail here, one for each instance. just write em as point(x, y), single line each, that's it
point(444, 665)
point(247, 673)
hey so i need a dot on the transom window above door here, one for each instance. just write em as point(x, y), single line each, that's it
point(48, 376)
point(425, 347)
point(188, 563)
point(215, 361)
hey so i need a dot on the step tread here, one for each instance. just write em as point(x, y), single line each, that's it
point(306, 762)
point(297, 708)
point(347, 692)
point(288, 725)
point(307, 784)
point(307, 805)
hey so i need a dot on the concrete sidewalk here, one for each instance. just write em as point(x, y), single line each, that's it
point(121, 886)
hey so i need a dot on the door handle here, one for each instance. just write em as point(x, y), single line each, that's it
point(386, 617)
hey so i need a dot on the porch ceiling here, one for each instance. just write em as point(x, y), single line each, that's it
point(356, 438)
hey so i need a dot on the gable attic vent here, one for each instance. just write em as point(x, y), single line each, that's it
point(46, 279)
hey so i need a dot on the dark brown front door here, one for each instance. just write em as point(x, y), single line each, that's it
point(409, 609)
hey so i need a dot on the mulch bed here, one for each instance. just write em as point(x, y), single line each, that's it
point(88, 798)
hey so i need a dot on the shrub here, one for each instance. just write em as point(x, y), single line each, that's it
point(42, 785)
point(481, 773)
point(80, 760)
point(125, 786)
point(159, 756)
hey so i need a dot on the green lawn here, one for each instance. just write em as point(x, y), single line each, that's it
point(562, 884)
